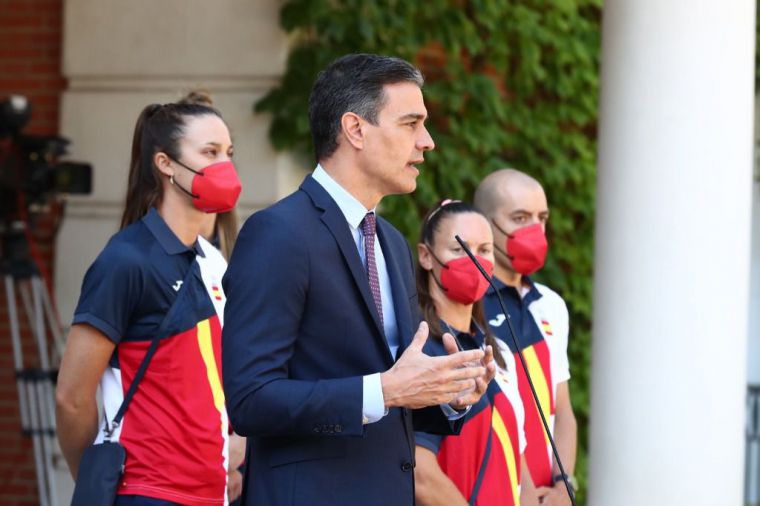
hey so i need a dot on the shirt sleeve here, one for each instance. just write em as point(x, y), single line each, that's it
point(373, 403)
point(110, 293)
point(560, 362)
point(453, 414)
point(430, 441)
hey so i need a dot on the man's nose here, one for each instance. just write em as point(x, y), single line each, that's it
point(425, 141)
point(536, 220)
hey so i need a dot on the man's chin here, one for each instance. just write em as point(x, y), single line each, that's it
point(408, 187)
point(403, 187)
point(411, 182)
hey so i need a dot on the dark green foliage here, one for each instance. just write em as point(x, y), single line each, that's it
point(509, 83)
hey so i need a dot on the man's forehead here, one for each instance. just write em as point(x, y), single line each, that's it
point(403, 101)
point(519, 196)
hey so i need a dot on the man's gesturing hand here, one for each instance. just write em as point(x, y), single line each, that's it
point(480, 385)
point(417, 380)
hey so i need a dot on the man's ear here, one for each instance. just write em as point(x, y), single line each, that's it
point(163, 163)
point(424, 257)
point(351, 125)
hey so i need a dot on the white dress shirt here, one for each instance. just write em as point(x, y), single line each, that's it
point(373, 403)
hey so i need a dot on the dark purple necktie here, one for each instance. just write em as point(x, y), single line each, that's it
point(368, 225)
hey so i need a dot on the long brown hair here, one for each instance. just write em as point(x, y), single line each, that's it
point(158, 129)
point(226, 231)
point(427, 305)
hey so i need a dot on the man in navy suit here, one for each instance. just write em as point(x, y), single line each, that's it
point(320, 365)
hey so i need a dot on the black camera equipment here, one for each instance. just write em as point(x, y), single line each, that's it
point(29, 164)
point(32, 179)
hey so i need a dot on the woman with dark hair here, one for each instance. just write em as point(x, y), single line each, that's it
point(146, 291)
point(220, 229)
point(483, 465)
point(217, 238)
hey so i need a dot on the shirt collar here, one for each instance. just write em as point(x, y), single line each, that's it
point(165, 237)
point(476, 333)
point(352, 209)
point(531, 295)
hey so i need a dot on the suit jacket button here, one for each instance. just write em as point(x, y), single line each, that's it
point(338, 428)
point(406, 466)
point(317, 429)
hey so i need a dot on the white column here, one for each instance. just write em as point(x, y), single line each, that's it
point(672, 253)
point(752, 486)
point(753, 356)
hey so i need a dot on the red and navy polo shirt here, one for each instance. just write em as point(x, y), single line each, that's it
point(497, 417)
point(540, 320)
point(175, 431)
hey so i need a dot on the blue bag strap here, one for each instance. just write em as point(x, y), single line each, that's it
point(148, 356)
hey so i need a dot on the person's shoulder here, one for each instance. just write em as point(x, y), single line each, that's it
point(125, 261)
point(130, 246)
point(548, 294)
point(290, 203)
point(286, 225)
point(288, 211)
point(551, 302)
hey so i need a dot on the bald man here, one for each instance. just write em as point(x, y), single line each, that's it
point(516, 205)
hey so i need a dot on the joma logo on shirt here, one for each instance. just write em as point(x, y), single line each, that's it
point(496, 322)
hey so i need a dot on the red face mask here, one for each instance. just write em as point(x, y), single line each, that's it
point(216, 188)
point(461, 280)
point(526, 248)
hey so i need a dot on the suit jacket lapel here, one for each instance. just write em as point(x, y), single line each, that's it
point(333, 218)
point(398, 288)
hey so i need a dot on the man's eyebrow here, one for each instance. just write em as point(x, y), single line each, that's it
point(412, 115)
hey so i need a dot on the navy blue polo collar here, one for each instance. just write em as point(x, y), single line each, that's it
point(165, 237)
point(475, 334)
point(532, 295)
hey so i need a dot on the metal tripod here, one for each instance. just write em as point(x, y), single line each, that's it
point(35, 384)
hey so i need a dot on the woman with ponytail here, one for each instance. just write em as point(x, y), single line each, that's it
point(220, 229)
point(483, 464)
point(149, 298)
point(217, 237)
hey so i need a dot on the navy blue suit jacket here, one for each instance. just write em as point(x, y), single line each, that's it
point(301, 330)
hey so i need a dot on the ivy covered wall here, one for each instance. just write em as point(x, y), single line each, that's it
point(509, 83)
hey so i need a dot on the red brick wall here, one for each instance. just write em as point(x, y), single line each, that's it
point(30, 57)
point(30, 64)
